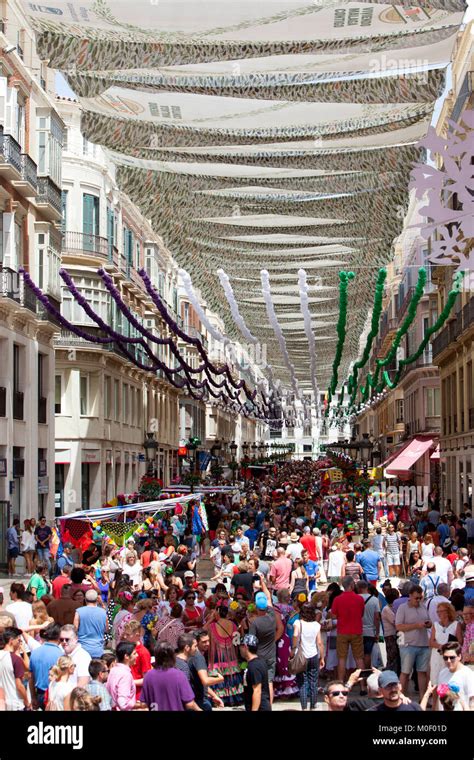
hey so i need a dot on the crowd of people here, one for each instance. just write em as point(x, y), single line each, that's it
point(297, 606)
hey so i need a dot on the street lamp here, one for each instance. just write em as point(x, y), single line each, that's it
point(245, 452)
point(254, 448)
point(214, 460)
point(261, 450)
point(150, 445)
point(193, 444)
point(233, 450)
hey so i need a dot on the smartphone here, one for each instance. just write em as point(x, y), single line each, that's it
point(366, 673)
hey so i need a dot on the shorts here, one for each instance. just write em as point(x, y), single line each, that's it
point(354, 640)
point(271, 665)
point(13, 553)
point(415, 658)
point(369, 642)
point(393, 559)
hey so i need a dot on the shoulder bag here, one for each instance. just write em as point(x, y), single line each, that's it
point(297, 663)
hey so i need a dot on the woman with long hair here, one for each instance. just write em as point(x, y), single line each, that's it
point(168, 629)
point(81, 701)
point(284, 683)
point(390, 632)
point(447, 628)
point(28, 546)
point(415, 566)
point(40, 619)
point(299, 579)
point(427, 546)
point(307, 636)
point(193, 617)
point(222, 659)
point(60, 686)
point(413, 545)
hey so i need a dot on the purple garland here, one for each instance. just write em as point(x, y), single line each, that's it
point(240, 385)
point(120, 340)
point(109, 284)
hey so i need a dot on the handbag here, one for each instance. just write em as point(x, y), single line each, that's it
point(297, 663)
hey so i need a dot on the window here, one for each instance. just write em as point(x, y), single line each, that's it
point(65, 138)
point(41, 365)
point(432, 402)
point(125, 403)
point(94, 292)
point(16, 368)
point(137, 255)
point(399, 410)
point(84, 394)
point(57, 394)
point(90, 220)
point(117, 400)
point(64, 210)
point(107, 396)
point(50, 146)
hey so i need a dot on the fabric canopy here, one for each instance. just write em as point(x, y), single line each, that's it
point(262, 136)
point(410, 455)
point(436, 453)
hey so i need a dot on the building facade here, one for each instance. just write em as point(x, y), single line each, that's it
point(31, 136)
point(104, 403)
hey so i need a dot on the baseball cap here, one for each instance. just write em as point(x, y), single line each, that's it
point(386, 678)
point(189, 574)
point(261, 601)
point(250, 640)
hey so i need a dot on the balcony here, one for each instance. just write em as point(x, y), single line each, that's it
point(28, 184)
point(18, 399)
point(49, 199)
point(42, 410)
point(81, 244)
point(387, 331)
point(404, 305)
point(454, 329)
point(13, 287)
point(471, 419)
point(10, 157)
point(3, 402)
point(464, 93)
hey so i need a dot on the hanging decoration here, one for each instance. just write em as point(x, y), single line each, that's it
point(372, 381)
point(374, 328)
point(449, 211)
point(344, 279)
point(150, 488)
point(448, 307)
point(303, 286)
point(191, 294)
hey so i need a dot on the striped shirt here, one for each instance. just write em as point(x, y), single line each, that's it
point(393, 545)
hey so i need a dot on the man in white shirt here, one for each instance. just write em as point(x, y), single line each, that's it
point(81, 659)
point(443, 566)
point(295, 549)
point(22, 611)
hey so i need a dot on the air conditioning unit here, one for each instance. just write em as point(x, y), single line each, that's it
point(42, 468)
point(3, 467)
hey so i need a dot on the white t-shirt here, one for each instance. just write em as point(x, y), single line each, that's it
point(81, 660)
point(28, 541)
point(309, 635)
point(294, 550)
point(464, 678)
point(23, 612)
point(57, 692)
point(458, 583)
point(443, 566)
point(8, 683)
point(134, 572)
point(427, 550)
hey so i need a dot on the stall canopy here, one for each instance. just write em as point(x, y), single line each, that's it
point(114, 512)
point(409, 456)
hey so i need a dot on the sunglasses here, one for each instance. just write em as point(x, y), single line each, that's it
point(64, 641)
point(447, 658)
point(344, 693)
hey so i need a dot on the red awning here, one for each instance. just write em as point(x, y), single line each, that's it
point(410, 455)
point(436, 453)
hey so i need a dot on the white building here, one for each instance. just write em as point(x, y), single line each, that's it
point(104, 403)
point(31, 134)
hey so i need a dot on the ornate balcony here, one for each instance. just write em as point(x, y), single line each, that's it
point(49, 199)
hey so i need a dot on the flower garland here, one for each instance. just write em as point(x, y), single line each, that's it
point(372, 381)
point(448, 307)
point(344, 279)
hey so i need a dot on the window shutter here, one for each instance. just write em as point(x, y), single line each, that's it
point(9, 240)
point(3, 101)
point(11, 109)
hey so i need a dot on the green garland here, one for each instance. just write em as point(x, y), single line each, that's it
point(344, 278)
point(450, 301)
point(372, 380)
point(374, 328)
